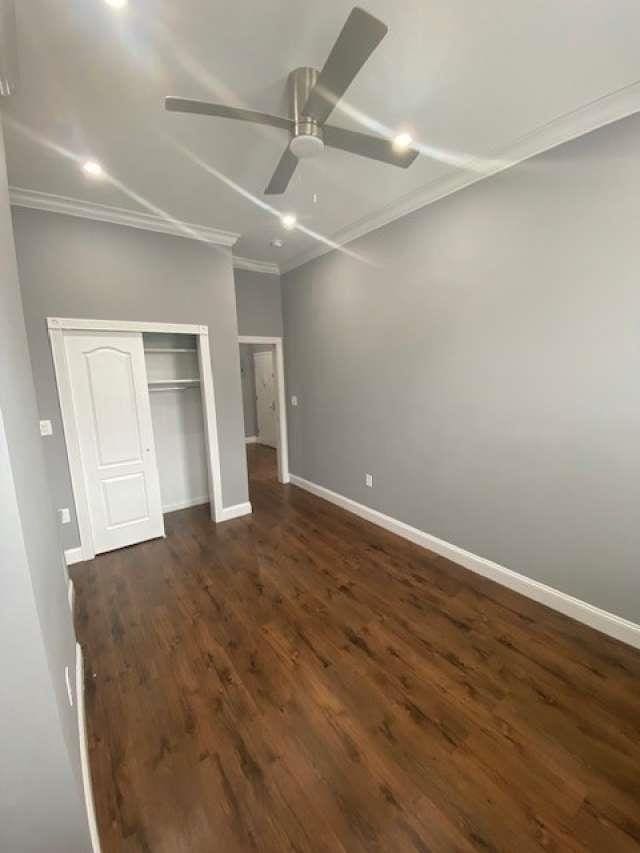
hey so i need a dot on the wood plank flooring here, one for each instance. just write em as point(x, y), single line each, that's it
point(300, 680)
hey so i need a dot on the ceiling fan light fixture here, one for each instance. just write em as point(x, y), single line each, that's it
point(313, 95)
point(288, 221)
point(402, 142)
point(306, 145)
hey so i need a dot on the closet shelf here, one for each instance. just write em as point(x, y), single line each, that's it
point(178, 383)
point(170, 349)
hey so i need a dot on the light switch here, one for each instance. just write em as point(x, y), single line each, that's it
point(294, 400)
point(368, 480)
point(46, 428)
point(64, 515)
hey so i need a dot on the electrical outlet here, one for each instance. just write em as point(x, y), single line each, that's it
point(46, 428)
point(368, 480)
point(64, 515)
point(67, 679)
point(294, 400)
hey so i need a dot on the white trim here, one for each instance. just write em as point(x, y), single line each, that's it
point(82, 324)
point(235, 511)
point(210, 426)
point(20, 197)
point(255, 266)
point(84, 752)
point(609, 108)
point(601, 620)
point(57, 326)
point(73, 555)
point(71, 595)
point(72, 441)
point(185, 504)
point(250, 439)
point(283, 441)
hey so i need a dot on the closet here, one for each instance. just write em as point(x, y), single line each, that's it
point(173, 379)
point(139, 422)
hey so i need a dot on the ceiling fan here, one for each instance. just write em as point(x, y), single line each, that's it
point(313, 96)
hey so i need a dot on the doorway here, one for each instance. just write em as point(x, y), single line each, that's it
point(265, 384)
point(263, 392)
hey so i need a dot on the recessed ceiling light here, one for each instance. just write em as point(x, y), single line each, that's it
point(93, 168)
point(402, 141)
point(288, 221)
point(116, 4)
point(277, 243)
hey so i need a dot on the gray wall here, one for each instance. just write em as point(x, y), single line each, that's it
point(72, 267)
point(259, 303)
point(485, 367)
point(248, 377)
point(40, 796)
point(259, 307)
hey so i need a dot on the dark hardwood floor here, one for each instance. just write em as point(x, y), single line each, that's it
point(300, 680)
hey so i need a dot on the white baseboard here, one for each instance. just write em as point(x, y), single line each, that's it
point(84, 752)
point(250, 439)
point(185, 504)
point(73, 555)
point(229, 512)
point(71, 593)
point(601, 620)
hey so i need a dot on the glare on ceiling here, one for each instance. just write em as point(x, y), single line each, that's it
point(93, 168)
point(278, 244)
point(288, 221)
point(402, 142)
point(116, 4)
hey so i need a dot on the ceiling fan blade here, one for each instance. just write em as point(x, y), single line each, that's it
point(283, 174)
point(374, 147)
point(359, 37)
point(188, 105)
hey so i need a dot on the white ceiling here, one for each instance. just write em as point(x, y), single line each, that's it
point(470, 78)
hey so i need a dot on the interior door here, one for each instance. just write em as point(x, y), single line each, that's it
point(113, 418)
point(266, 398)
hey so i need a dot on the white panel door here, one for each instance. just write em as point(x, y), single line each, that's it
point(266, 398)
point(113, 418)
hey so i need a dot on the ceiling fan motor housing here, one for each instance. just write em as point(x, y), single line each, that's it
point(306, 139)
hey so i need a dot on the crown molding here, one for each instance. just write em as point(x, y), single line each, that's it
point(255, 266)
point(598, 113)
point(120, 216)
point(605, 110)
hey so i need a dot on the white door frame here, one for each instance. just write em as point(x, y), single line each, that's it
point(57, 326)
point(281, 401)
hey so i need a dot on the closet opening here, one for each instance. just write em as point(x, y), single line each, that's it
point(173, 378)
